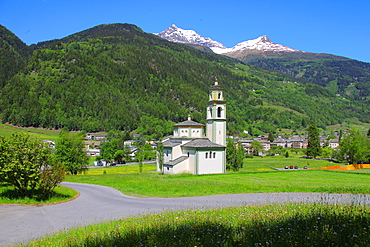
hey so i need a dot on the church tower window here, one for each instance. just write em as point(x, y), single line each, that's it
point(219, 109)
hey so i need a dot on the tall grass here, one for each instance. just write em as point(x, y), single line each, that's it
point(267, 225)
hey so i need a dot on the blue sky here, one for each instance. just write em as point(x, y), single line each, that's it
point(323, 26)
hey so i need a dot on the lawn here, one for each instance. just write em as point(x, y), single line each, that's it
point(255, 177)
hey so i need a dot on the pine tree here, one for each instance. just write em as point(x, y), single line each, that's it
point(313, 148)
point(271, 137)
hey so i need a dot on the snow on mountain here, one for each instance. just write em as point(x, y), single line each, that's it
point(262, 43)
point(175, 34)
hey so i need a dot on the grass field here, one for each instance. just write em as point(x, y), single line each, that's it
point(42, 134)
point(255, 177)
point(267, 225)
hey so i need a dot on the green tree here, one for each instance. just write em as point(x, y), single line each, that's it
point(327, 152)
point(239, 156)
point(70, 151)
point(271, 137)
point(160, 155)
point(257, 147)
point(313, 148)
point(230, 154)
point(235, 155)
point(118, 156)
point(29, 165)
point(108, 149)
point(355, 148)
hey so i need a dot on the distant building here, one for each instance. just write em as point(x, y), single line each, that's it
point(95, 137)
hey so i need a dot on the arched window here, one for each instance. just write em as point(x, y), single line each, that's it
point(210, 111)
point(188, 154)
point(219, 109)
point(219, 95)
point(210, 154)
point(206, 155)
point(214, 155)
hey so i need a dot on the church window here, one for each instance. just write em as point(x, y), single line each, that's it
point(188, 154)
point(214, 155)
point(219, 109)
point(210, 111)
point(168, 168)
point(166, 152)
point(210, 154)
point(206, 155)
point(219, 95)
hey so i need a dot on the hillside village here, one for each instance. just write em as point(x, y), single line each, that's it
point(199, 149)
point(294, 142)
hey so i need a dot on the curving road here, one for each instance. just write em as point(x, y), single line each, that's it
point(20, 224)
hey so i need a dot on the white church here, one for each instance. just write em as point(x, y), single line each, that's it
point(193, 150)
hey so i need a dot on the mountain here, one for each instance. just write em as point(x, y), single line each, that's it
point(119, 77)
point(175, 34)
point(259, 45)
point(14, 55)
point(343, 76)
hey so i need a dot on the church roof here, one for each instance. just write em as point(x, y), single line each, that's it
point(169, 144)
point(189, 123)
point(216, 86)
point(176, 161)
point(202, 143)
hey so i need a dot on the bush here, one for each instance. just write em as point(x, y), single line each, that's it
point(28, 165)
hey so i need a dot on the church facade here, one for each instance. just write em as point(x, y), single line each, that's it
point(192, 149)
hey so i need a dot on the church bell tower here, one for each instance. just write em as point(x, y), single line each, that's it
point(216, 115)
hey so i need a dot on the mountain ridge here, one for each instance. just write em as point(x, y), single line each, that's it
point(118, 77)
point(343, 76)
point(261, 44)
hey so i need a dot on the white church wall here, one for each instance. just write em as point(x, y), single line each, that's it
point(220, 133)
point(191, 159)
point(210, 165)
point(181, 167)
point(176, 152)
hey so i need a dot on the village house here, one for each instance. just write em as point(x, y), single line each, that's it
point(95, 137)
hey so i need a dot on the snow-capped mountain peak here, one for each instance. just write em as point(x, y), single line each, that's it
point(176, 34)
point(261, 44)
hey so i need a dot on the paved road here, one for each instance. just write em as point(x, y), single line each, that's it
point(20, 224)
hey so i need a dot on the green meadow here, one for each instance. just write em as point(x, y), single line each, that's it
point(152, 184)
point(42, 134)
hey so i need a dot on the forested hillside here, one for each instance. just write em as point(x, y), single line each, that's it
point(340, 75)
point(14, 55)
point(119, 77)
